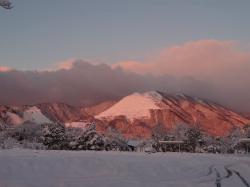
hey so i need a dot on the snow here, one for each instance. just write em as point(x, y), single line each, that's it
point(35, 115)
point(135, 106)
point(14, 119)
point(27, 168)
point(78, 124)
point(32, 114)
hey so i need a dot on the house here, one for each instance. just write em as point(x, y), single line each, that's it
point(140, 145)
point(246, 143)
point(177, 143)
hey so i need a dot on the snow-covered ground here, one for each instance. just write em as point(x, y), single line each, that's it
point(26, 168)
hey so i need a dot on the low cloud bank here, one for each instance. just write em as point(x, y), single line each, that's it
point(85, 84)
point(210, 69)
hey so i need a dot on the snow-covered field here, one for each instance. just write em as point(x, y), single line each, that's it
point(27, 168)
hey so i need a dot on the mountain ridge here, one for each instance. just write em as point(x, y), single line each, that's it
point(172, 109)
point(134, 115)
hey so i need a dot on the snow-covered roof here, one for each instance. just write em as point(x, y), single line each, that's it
point(245, 140)
point(77, 124)
point(135, 143)
point(172, 142)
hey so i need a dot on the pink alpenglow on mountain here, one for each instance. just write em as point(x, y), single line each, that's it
point(137, 114)
point(135, 106)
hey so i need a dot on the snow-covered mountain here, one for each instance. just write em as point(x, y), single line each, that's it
point(135, 115)
point(97, 109)
point(44, 113)
point(19, 115)
point(139, 113)
point(64, 113)
point(135, 106)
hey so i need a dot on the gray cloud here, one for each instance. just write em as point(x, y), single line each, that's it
point(85, 84)
point(210, 69)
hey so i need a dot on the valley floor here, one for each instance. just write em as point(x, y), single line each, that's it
point(29, 168)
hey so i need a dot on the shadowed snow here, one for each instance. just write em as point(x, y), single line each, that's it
point(25, 168)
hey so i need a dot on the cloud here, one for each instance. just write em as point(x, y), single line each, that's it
point(202, 59)
point(85, 84)
point(220, 63)
point(66, 65)
point(212, 69)
point(5, 69)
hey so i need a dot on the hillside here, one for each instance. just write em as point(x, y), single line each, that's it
point(137, 114)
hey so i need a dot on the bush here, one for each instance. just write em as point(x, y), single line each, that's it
point(27, 131)
point(115, 141)
point(193, 137)
point(53, 136)
point(27, 135)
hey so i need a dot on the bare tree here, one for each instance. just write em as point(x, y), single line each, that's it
point(6, 4)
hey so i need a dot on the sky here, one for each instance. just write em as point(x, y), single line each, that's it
point(86, 51)
point(36, 34)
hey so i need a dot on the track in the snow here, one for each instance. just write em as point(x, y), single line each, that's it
point(229, 173)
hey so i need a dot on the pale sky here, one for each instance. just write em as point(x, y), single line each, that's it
point(36, 34)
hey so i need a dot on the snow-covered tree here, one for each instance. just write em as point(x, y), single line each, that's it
point(53, 136)
point(114, 140)
point(6, 4)
point(27, 135)
point(28, 131)
point(85, 139)
point(159, 132)
point(3, 126)
point(226, 144)
point(246, 130)
point(193, 137)
point(90, 139)
point(180, 131)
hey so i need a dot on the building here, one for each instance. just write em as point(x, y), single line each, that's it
point(140, 146)
point(245, 142)
point(177, 143)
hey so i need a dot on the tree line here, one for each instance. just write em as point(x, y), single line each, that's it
point(55, 136)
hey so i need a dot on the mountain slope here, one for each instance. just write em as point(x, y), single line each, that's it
point(18, 115)
point(134, 106)
point(97, 109)
point(63, 113)
point(44, 113)
point(137, 114)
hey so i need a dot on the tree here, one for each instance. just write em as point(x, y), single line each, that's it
point(53, 136)
point(180, 131)
point(90, 139)
point(27, 131)
point(85, 139)
point(246, 130)
point(27, 135)
point(193, 136)
point(6, 4)
point(3, 126)
point(159, 132)
point(115, 141)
